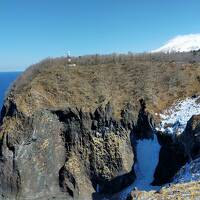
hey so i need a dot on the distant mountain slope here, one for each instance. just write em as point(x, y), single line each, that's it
point(183, 43)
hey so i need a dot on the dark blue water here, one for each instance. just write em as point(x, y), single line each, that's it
point(6, 80)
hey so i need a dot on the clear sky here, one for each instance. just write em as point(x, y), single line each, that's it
point(31, 30)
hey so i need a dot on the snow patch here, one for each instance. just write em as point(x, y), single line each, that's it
point(147, 160)
point(173, 121)
point(175, 118)
point(182, 43)
point(189, 172)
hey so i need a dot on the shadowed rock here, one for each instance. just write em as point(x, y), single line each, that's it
point(145, 125)
point(64, 153)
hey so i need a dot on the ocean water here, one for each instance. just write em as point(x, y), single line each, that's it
point(6, 80)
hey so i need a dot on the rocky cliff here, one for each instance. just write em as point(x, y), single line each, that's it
point(65, 153)
point(67, 132)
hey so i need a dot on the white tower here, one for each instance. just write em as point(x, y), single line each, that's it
point(69, 57)
point(69, 60)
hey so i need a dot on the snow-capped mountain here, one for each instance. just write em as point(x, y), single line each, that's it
point(182, 43)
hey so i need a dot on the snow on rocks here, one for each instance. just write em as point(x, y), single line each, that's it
point(174, 119)
point(147, 160)
point(189, 172)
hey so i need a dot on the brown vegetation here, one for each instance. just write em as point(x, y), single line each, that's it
point(159, 78)
point(180, 192)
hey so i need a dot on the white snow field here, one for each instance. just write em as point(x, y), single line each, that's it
point(175, 118)
point(147, 160)
point(182, 43)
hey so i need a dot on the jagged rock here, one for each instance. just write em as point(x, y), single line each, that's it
point(191, 137)
point(145, 125)
point(9, 109)
point(29, 167)
point(164, 139)
point(171, 159)
point(127, 115)
point(175, 152)
point(64, 153)
point(97, 144)
point(189, 172)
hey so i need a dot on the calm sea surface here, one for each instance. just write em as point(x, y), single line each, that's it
point(6, 80)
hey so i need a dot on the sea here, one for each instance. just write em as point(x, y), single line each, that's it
point(6, 80)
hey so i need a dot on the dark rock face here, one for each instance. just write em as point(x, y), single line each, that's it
point(8, 109)
point(191, 137)
point(65, 154)
point(127, 115)
point(175, 152)
point(145, 126)
point(101, 147)
point(9, 175)
point(164, 139)
point(171, 159)
point(32, 153)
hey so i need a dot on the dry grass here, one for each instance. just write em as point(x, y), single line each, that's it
point(186, 191)
point(52, 83)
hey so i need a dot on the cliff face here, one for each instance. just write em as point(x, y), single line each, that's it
point(65, 154)
point(32, 154)
point(191, 137)
point(66, 131)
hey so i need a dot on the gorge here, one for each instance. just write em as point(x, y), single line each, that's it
point(100, 129)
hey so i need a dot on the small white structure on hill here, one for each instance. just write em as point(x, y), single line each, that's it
point(69, 57)
point(69, 60)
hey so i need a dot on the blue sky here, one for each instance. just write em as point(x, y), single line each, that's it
point(31, 30)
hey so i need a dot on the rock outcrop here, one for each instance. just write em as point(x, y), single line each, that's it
point(189, 172)
point(32, 153)
point(145, 127)
point(99, 146)
point(171, 158)
point(191, 137)
point(178, 150)
point(68, 153)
